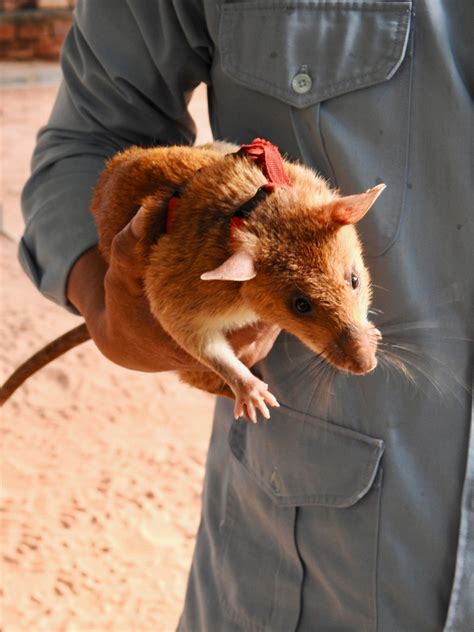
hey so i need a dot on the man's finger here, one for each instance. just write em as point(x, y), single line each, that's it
point(252, 344)
point(254, 332)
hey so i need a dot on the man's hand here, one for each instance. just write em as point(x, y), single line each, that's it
point(118, 316)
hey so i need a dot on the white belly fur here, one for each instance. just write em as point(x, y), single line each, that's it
point(230, 321)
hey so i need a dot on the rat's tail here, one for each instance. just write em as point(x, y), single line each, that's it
point(41, 358)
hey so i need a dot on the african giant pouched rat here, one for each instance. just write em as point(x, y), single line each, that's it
point(236, 235)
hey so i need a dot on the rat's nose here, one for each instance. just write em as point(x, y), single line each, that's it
point(359, 347)
point(376, 333)
point(364, 363)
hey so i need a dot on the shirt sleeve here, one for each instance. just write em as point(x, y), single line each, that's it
point(129, 70)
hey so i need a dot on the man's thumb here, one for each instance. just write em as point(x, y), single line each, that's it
point(124, 248)
point(137, 224)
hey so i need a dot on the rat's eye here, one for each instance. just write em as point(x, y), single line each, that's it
point(302, 305)
point(354, 281)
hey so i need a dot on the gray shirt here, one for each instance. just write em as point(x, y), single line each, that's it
point(347, 512)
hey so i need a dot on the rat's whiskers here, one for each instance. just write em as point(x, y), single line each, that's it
point(414, 360)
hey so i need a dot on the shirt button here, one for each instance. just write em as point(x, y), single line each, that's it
point(302, 83)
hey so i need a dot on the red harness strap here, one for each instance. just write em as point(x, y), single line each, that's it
point(269, 159)
point(266, 156)
point(170, 210)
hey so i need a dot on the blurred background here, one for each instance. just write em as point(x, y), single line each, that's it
point(101, 467)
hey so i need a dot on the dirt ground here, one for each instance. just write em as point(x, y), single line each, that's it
point(101, 467)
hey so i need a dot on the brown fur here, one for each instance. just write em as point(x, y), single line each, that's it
point(300, 241)
point(295, 245)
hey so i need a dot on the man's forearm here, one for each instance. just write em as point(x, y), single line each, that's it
point(85, 287)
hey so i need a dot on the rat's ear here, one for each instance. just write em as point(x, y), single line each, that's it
point(238, 267)
point(352, 208)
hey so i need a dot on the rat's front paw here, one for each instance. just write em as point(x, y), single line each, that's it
point(252, 395)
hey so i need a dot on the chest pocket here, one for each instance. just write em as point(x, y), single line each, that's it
point(325, 80)
point(306, 52)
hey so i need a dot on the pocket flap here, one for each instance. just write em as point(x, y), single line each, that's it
point(301, 460)
point(306, 52)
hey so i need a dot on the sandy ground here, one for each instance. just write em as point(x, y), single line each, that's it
point(101, 467)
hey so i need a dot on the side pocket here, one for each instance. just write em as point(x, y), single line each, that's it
point(259, 566)
point(299, 489)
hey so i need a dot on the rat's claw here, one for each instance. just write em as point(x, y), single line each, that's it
point(271, 399)
point(238, 408)
point(262, 407)
point(251, 413)
point(252, 396)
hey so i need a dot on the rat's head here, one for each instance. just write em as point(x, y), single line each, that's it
point(300, 258)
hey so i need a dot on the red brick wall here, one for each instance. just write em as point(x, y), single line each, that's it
point(15, 5)
point(33, 30)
